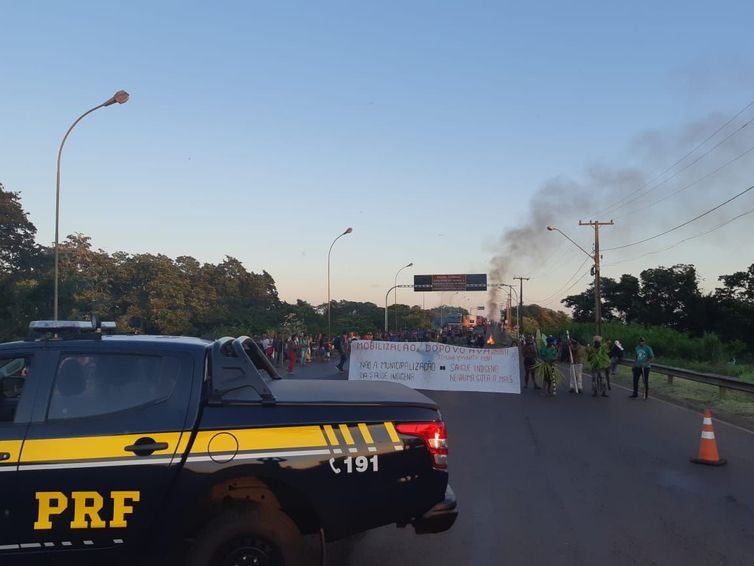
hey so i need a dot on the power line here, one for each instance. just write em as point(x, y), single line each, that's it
point(617, 205)
point(699, 180)
point(699, 235)
point(567, 282)
point(551, 298)
point(681, 225)
point(566, 258)
point(678, 243)
point(574, 283)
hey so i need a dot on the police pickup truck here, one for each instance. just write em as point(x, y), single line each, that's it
point(196, 450)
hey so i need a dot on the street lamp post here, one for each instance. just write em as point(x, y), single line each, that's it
point(387, 296)
point(511, 289)
point(395, 293)
point(520, 302)
point(120, 97)
point(596, 259)
point(329, 330)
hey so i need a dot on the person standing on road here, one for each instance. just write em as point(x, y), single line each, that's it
point(277, 346)
point(616, 355)
point(577, 368)
point(341, 346)
point(292, 350)
point(529, 354)
point(599, 360)
point(642, 365)
point(549, 354)
point(322, 348)
point(304, 348)
point(267, 347)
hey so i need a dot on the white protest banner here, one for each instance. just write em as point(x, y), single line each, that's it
point(434, 366)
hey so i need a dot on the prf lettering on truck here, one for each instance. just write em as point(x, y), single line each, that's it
point(87, 506)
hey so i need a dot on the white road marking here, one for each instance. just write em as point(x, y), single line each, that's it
point(105, 464)
point(257, 455)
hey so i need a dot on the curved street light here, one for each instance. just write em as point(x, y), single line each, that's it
point(595, 259)
point(554, 229)
point(512, 289)
point(120, 97)
point(347, 231)
point(395, 293)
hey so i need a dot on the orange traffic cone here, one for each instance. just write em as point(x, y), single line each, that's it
point(708, 447)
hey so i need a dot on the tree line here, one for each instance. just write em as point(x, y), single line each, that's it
point(156, 294)
point(670, 297)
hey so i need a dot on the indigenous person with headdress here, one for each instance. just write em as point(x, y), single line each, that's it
point(549, 354)
point(598, 358)
point(616, 355)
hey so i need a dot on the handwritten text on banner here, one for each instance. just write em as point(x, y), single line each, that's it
point(434, 366)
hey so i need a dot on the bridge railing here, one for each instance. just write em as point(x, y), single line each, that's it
point(722, 381)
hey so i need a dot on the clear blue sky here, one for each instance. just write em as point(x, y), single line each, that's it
point(261, 130)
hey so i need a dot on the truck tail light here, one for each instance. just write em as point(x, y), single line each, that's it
point(434, 436)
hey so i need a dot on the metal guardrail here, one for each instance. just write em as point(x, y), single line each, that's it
point(722, 381)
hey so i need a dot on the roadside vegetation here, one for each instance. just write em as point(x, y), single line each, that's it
point(735, 407)
point(706, 353)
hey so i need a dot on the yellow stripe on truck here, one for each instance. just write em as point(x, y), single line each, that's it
point(365, 433)
point(265, 438)
point(12, 447)
point(346, 434)
point(392, 433)
point(93, 447)
point(182, 444)
point(331, 435)
point(227, 440)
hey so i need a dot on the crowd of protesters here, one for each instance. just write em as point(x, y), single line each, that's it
point(601, 356)
point(295, 349)
point(301, 349)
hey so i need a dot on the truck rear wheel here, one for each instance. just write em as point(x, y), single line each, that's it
point(246, 537)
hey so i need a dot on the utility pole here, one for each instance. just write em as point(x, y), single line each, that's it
point(520, 300)
point(597, 293)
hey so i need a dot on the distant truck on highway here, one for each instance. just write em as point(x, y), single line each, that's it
point(197, 451)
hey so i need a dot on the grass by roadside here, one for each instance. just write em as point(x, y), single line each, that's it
point(737, 407)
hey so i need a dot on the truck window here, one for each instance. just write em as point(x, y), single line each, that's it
point(98, 384)
point(13, 373)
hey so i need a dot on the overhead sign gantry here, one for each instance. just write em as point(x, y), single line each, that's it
point(454, 282)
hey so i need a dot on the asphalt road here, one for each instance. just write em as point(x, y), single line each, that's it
point(576, 480)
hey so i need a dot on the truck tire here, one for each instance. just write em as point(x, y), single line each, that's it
point(246, 536)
